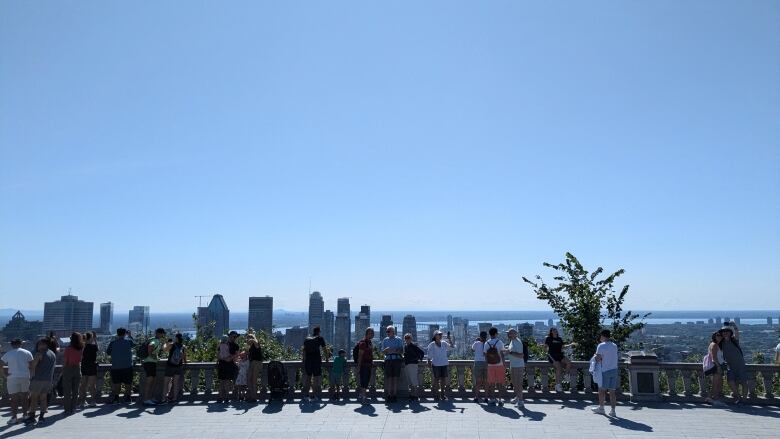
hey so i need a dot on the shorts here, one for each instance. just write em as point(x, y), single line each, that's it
point(88, 370)
point(337, 379)
point(393, 368)
point(17, 385)
point(557, 358)
point(496, 374)
point(365, 376)
point(712, 371)
point(172, 371)
point(40, 386)
point(516, 374)
point(480, 371)
point(736, 375)
point(122, 376)
point(439, 371)
point(313, 368)
point(609, 379)
point(412, 374)
point(150, 369)
point(226, 370)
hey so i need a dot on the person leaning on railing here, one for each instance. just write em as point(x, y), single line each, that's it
point(714, 367)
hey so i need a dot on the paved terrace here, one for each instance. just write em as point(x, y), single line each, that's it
point(451, 419)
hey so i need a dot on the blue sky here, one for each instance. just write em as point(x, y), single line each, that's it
point(416, 156)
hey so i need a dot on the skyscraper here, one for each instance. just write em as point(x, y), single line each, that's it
point(460, 329)
point(316, 310)
point(484, 326)
point(261, 314)
point(362, 322)
point(106, 318)
point(449, 322)
point(342, 339)
point(67, 315)
point(328, 322)
point(387, 320)
point(365, 309)
point(294, 337)
point(218, 313)
point(525, 330)
point(432, 328)
point(410, 326)
point(138, 319)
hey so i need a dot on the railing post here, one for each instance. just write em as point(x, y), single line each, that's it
point(461, 371)
point(292, 379)
point(767, 377)
point(643, 369)
point(545, 382)
point(194, 383)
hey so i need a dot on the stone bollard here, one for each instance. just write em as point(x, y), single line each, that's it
point(644, 372)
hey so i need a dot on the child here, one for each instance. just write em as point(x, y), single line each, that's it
point(241, 379)
point(337, 373)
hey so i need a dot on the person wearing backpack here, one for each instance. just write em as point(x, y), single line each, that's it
point(365, 363)
point(412, 357)
point(154, 348)
point(121, 352)
point(174, 367)
point(496, 372)
point(735, 361)
point(515, 352)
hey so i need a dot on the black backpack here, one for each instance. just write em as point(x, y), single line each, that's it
point(356, 352)
point(142, 351)
point(277, 379)
point(176, 355)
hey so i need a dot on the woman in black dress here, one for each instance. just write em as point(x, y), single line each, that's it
point(89, 368)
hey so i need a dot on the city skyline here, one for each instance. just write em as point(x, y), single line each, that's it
point(433, 161)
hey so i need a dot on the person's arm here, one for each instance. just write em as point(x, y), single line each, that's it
point(599, 357)
point(5, 371)
point(777, 356)
point(183, 356)
point(736, 330)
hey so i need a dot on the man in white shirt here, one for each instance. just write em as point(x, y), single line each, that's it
point(607, 356)
point(17, 377)
point(514, 352)
point(480, 366)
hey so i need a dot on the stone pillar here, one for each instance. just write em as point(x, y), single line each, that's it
point(644, 371)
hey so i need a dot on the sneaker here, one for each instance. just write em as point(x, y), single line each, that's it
point(520, 404)
point(41, 420)
point(30, 420)
point(81, 406)
point(114, 400)
point(558, 388)
point(150, 402)
point(500, 402)
point(128, 399)
point(515, 400)
point(718, 403)
point(492, 401)
point(612, 413)
point(599, 410)
point(91, 405)
point(13, 421)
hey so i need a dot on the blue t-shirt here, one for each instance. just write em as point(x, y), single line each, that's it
point(392, 343)
point(121, 352)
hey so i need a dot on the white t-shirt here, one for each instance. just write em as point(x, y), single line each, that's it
point(479, 351)
point(499, 345)
point(609, 355)
point(18, 361)
point(438, 354)
point(516, 346)
point(777, 349)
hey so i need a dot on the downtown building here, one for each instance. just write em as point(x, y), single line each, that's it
point(138, 319)
point(460, 335)
point(217, 314)
point(294, 337)
point(67, 315)
point(387, 320)
point(410, 326)
point(362, 322)
point(106, 318)
point(342, 337)
point(261, 314)
point(316, 310)
point(328, 326)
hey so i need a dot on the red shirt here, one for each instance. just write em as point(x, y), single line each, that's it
point(72, 356)
point(366, 352)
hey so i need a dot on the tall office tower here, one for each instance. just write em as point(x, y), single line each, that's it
point(342, 338)
point(316, 310)
point(525, 330)
point(106, 318)
point(67, 315)
point(138, 319)
point(710, 321)
point(484, 326)
point(387, 320)
point(432, 328)
point(342, 306)
point(362, 322)
point(410, 326)
point(460, 335)
point(449, 322)
point(550, 323)
point(328, 322)
point(294, 337)
point(261, 314)
point(217, 313)
point(365, 309)
point(19, 326)
point(737, 320)
point(769, 321)
point(718, 320)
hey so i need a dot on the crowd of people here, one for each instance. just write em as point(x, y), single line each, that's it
point(29, 376)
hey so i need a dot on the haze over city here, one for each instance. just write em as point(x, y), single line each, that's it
point(417, 161)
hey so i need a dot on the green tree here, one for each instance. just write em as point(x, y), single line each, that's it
point(586, 304)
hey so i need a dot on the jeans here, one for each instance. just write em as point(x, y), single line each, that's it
point(254, 372)
point(71, 378)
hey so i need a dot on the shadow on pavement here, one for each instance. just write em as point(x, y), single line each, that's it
point(367, 410)
point(630, 425)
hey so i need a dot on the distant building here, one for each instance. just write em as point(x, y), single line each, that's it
point(328, 325)
point(737, 320)
point(362, 322)
point(460, 335)
point(20, 327)
point(138, 319)
point(432, 328)
point(217, 313)
point(106, 318)
point(718, 320)
point(710, 321)
point(525, 330)
point(387, 320)
point(261, 314)
point(410, 326)
point(67, 315)
point(449, 322)
point(316, 310)
point(769, 321)
point(342, 306)
point(295, 336)
point(342, 337)
point(484, 326)
point(550, 323)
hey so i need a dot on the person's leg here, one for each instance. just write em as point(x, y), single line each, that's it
point(307, 385)
point(317, 386)
point(14, 400)
point(167, 386)
point(92, 387)
point(733, 386)
point(35, 398)
point(252, 381)
point(601, 397)
point(557, 366)
point(612, 398)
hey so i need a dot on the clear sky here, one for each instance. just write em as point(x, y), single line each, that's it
point(413, 155)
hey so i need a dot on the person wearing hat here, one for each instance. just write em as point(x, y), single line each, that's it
point(17, 377)
point(226, 365)
point(735, 360)
point(437, 352)
point(514, 352)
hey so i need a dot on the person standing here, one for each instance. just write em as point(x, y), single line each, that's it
point(496, 372)
point(174, 368)
point(392, 347)
point(226, 366)
point(554, 346)
point(71, 372)
point(121, 352)
point(412, 357)
point(17, 377)
point(480, 366)
point(607, 357)
point(514, 352)
point(41, 382)
point(154, 348)
point(312, 365)
point(365, 360)
point(89, 369)
point(736, 372)
point(715, 355)
point(337, 373)
point(255, 358)
point(438, 359)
